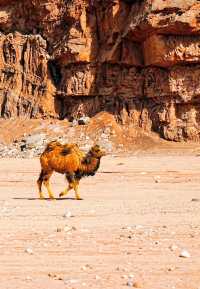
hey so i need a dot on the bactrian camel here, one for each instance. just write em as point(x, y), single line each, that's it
point(67, 159)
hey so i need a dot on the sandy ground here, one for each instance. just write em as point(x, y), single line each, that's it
point(138, 213)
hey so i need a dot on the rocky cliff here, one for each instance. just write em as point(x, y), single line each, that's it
point(139, 60)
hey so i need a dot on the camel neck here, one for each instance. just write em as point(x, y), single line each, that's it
point(90, 165)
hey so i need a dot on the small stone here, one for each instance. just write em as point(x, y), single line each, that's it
point(184, 254)
point(28, 278)
point(83, 120)
point(97, 277)
point(157, 179)
point(29, 251)
point(59, 278)
point(126, 228)
point(74, 122)
point(173, 247)
point(55, 276)
point(195, 200)
point(170, 269)
point(138, 227)
point(67, 228)
point(130, 283)
point(51, 275)
point(67, 215)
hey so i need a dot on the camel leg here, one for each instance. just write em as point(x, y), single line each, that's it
point(76, 189)
point(65, 192)
point(39, 183)
point(73, 184)
point(47, 184)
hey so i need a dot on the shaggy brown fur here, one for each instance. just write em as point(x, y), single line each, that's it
point(67, 159)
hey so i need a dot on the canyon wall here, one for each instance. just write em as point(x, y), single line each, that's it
point(139, 60)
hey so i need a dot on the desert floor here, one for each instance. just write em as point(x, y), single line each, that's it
point(137, 215)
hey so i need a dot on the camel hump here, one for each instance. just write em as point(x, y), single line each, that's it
point(52, 145)
point(75, 149)
point(65, 151)
point(68, 149)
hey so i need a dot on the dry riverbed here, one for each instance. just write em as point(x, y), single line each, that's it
point(138, 215)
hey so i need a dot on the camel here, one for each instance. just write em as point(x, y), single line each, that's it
point(67, 159)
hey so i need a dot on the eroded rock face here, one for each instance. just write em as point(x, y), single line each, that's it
point(139, 60)
point(167, 51)
point(24, 83)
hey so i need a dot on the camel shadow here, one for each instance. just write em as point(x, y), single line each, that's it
point(46, 199)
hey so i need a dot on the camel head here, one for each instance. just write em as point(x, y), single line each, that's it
point(97, 152)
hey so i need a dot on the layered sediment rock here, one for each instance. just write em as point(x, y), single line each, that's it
point(24, 83)
point(139, 60)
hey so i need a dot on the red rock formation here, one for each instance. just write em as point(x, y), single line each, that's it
point(136, 59)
